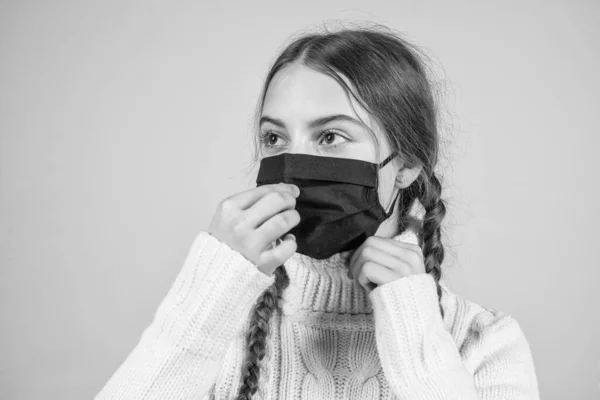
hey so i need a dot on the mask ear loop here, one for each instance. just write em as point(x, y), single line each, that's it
point(387, 160)
point(381, 165)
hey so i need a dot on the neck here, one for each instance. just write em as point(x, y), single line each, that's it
point(323, 285)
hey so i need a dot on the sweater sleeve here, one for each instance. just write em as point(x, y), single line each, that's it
point(421, 361)
point(180, 352)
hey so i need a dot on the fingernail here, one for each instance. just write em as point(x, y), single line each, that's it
point(296, 190)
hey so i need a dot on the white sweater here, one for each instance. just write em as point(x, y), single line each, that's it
point(333, 340)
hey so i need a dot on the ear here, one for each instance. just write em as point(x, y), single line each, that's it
point(406, 176)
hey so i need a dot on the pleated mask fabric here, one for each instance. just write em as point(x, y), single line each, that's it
point(338, 203)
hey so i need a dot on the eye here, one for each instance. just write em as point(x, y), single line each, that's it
point(272, 139)
point(331, 138)
point(269, 139)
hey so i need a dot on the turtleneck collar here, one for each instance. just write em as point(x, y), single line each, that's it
point(323, 285)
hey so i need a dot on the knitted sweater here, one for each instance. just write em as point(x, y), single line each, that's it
point(332, 340)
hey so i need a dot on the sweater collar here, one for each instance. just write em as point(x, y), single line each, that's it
point(323, 285)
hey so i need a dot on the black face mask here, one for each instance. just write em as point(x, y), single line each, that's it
point(338, 203)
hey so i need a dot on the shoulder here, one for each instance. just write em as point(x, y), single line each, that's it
point(480, 332)
point(492, 346)
point(460, 310)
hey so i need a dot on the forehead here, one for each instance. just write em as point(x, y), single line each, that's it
point(299, 93)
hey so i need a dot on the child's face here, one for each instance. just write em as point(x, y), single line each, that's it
point(297, 97)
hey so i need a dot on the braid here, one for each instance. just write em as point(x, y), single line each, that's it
point(430, 228)
point(256, 338)
point(433, 249)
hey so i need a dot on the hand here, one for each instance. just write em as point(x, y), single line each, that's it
point(249, 222)
point(381, 260)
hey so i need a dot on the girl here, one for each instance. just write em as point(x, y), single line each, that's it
point(324, 281)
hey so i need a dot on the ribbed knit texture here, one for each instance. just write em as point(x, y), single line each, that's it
point(333, 340)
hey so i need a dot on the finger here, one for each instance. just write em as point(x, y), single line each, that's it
point(410, 253)
point(407, 245)
point(354, 266)
point(358, 251)
point(269, 205)
point(376, 274)
point(381, 257)
point(372, 241)
point(395, 246)
point(279, 254)
point(277, 226)
point(246, 199)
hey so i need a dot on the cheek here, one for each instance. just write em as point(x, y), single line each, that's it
point(358, 150)
point(387, 179)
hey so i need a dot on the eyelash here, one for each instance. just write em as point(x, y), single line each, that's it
point(264, 138)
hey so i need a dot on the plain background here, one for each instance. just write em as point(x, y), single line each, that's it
point(124, 123)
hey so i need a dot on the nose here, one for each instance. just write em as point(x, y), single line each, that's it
point(301, 146)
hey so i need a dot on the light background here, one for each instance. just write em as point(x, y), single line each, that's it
point(124, 123)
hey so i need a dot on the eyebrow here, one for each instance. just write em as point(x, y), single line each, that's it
point(317, 122)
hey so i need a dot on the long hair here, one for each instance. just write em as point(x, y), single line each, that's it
point(390, 81)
